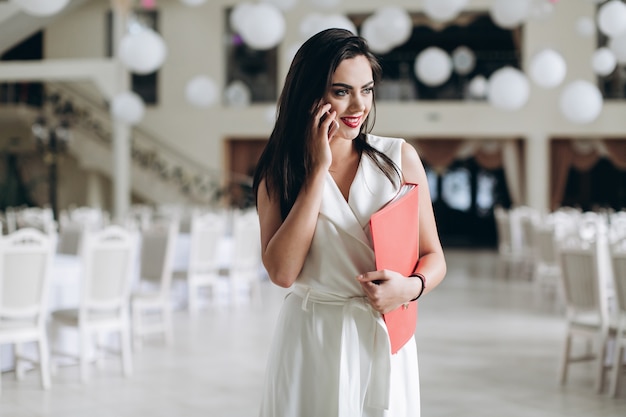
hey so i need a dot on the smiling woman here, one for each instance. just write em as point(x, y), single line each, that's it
point(319, 180)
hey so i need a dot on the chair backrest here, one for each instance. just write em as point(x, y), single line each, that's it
point(207, 232)
point(618, 259)
point(581, 283)
point(108, 264)
point(246, 240)
point(25, 262)
point(504, 229)
point(545, 244)
point(157, 253)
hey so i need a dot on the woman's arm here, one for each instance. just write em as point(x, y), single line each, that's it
point(391, 288)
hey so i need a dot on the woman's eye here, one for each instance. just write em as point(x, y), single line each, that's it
point(341, 92)
point(368, 90)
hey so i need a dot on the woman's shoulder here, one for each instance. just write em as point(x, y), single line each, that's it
point(385, 143)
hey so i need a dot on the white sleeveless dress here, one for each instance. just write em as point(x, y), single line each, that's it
point(331, 354)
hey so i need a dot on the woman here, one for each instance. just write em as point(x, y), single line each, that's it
point(318, 182)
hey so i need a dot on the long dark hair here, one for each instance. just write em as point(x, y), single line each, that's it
point(286, 161)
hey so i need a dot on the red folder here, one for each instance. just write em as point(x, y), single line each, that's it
point(395, 235)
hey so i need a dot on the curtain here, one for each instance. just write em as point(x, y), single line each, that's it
point(616, 152)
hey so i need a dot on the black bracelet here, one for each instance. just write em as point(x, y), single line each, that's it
point(423, 279)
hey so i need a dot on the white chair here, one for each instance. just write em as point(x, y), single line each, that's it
point(205, 267)
point(587, 314)
point(510, 256)
point(547, 268)
point(25, 262)
point(245, 266)
point(151, 302)
point(618, 257)
point(108, 261)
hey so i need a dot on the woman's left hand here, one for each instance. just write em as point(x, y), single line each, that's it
point(386, 290)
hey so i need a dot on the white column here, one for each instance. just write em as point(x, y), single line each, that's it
point(95, 190)
point(121, 131)
point(538, 171)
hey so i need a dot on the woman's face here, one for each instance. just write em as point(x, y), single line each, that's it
point(351, 95)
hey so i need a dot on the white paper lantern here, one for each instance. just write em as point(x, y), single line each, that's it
point(477, 87)
point(603, 61)
point(128, 108)
point(463, 60)
point(237, 94)
point(370, 30)
point(548, 68)
point(612, 18)
point(201, 91)
point(585, 27)
point(443, 10)
point(508, 89)
point(433, 66)
point(617, 45)
point(41, 7)
point(508, 14)
point(581, 102)
point(193, 3)
point(263, 27)
point(240, 14)
point(394, 24)
point(142, 51)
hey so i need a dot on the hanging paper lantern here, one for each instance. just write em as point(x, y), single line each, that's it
point(193, 3)
point(548, 68)
point(509, 14)
point(603, 61)
point(394, 24)
point(41, 7)
point(371, 31)
point(463, 60)
point(283, 5)
point(128, 108)
point(581, 102)
point(433, 66)
point(237, 94)
point(478, 86)
point(443, 10)
point(508, 89)
point(142, 51)
point(202, 91)
point(262, 26)
point(316, 22)
point(585, 27)
point(612, 18)
point(617, 45)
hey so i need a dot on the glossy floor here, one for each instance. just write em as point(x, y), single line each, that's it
point(487, 347)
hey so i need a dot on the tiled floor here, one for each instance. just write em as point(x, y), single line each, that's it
point(487, 347)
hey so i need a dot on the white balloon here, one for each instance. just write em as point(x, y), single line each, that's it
point(603, 61)
point(508, 89)
point(128, 108)
point(618, 46)
point(193, 3)
point(263, 27)
point(240, 14)
point(581, 102)
point(443, 10)
point(548, 68)
point(201, 91)
point(143, 51)
point(238, 94)
point(41, 7)
point(585, 27)
point(463, 60)
point(509, 13)
point(612, 18)
point(433, 66)
point(477, 87)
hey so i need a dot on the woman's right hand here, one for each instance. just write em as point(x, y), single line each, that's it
point(323, 130)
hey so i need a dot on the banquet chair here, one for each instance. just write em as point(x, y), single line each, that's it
point(25, 262)
point(547, 269)
point(151, 302)
point(510, 256)
point(245, 266)
point(587, 315)
point(207, 233)
point(107, 266)
point(618, 259)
